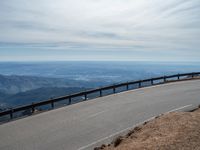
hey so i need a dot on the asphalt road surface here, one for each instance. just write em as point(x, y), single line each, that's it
point(82, 125)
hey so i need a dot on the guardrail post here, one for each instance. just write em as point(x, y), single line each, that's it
point(52, 105)
point(127, 87)
point(114, 90)
point(139, 84)
point(178, 76)
point(33, 108)
point(70, 101)
point(164, 78)
point(85, 97)
point(11, 114)
point(192, 75)
point(151, 81)
point(100, 91)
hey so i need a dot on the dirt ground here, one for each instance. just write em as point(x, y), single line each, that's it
point(172, 131)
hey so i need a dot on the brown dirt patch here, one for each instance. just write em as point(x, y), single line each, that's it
point(173, 131)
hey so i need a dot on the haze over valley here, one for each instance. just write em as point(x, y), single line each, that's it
point(27, 82)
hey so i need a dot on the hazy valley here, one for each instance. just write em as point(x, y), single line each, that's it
point(28, 82)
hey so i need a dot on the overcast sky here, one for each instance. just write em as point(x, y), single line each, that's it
point(151, 30)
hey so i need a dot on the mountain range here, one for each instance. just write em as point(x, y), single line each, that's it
point(20, 90)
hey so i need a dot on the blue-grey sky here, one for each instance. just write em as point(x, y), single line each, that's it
point(150, 30)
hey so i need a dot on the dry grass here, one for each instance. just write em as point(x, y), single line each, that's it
point(173, 131)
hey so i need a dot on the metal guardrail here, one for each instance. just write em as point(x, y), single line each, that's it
point(84, 94)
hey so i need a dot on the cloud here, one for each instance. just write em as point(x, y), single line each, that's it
point(153, 25)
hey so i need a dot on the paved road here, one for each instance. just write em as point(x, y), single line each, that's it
point(79, 125)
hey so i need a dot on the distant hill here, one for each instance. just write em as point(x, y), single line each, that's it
point(18, 90)
point(14, 84)
point(36, 95)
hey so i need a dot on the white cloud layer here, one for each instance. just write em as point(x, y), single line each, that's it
point(92, 25)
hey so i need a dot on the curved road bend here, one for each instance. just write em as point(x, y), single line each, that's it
point(77, 126)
